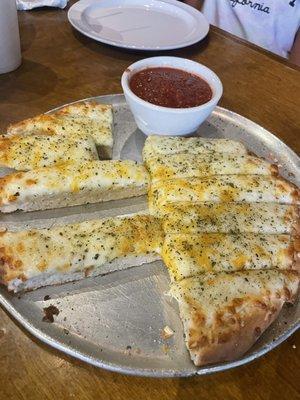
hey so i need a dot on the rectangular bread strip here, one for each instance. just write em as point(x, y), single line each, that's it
point(84, 118)
point(223, 189)
point(26, 153)
point(72, 184)
point(185, 165)
point(187, 255)
point(163, 145)
point(34, 258)
point(223, 314)
point(267, 218)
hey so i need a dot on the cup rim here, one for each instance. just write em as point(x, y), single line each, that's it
point(215, 82)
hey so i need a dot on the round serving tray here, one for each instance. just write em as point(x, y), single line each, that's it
point(115, 321)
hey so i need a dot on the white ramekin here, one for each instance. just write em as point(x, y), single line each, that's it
point(152, 119)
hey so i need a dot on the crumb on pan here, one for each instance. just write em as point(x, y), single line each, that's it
point(49, 313)
point(167, 332)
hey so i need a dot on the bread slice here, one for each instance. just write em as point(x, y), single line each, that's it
point(186, 165)
point(223, 189)
point(26, 153)
point(162, 145)
point(187, 255)
point(84, 118)
point(72, 184)
point(265, 218)
point(34, 258)
point(223, 314)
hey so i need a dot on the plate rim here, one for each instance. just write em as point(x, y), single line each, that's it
point(72, 351)
point(192, 11)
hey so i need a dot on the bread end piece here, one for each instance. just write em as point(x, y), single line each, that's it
point(85, 117)
point(224, 314)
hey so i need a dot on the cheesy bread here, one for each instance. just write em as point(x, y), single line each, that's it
point(186, 255)
point(163, 145)
point(72, 184)
point(264, 218)
point(26, 153)
point(186, 165)
point(222, 189)
point(84, 118)
point(223, 314)
point(34, 258)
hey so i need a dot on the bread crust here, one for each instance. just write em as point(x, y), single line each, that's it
point(231, 345)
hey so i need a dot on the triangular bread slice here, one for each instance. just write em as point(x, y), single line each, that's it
point(84, 118)
point(223, 314)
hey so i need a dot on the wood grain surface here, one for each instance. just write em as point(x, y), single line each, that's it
point(59, 66)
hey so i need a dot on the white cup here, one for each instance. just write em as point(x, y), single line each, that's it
point(156, 120)
point(10, 51)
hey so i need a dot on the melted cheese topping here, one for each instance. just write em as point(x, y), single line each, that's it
point(69, 178)
point(188, 255)
point(268, 218)
point(77, 247)
point(163, 145)
point(85, 118)
point(222, 189)
point(26, 153)
point(208, 302)
point(188, 165)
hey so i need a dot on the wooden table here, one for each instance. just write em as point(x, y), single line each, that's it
point(60, 66)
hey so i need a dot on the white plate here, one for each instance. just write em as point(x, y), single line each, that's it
point(139, 24)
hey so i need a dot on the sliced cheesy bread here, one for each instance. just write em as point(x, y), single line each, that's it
point(186, 165)
point(223, 189)
point(187, 255)
point(26, 153)
point(34, 258)
point(72, 184)
point(163, 145)
point(265, 218)
point(84, 118)
point(223, 314)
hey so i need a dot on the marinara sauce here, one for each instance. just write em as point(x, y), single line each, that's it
point(170, 87)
